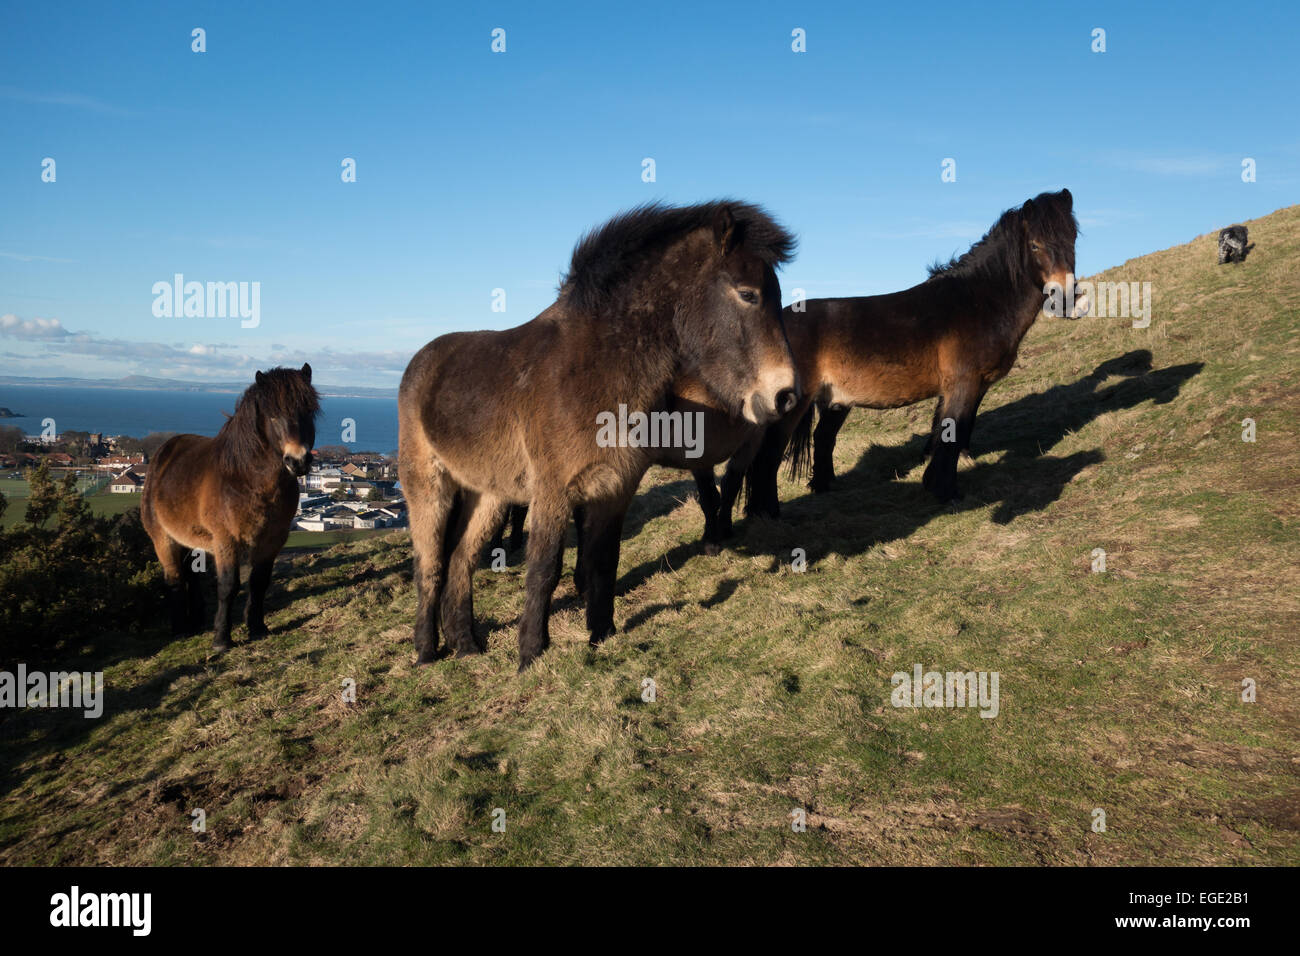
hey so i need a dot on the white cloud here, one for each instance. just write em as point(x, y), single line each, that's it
point(198, 361)
point(16, 328)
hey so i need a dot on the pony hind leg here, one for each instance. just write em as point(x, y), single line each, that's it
point(515, 519)
point(604, 538)
point(481, 515)
point(198, 618)
point(517, 515)
point(580, 574)
point(549, 518)
point(172, 556)
point(430, 498)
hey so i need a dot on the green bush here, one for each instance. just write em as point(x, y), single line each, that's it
point(67, 577)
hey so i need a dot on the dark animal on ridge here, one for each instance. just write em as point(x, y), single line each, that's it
point(1232, 244)
point(233, 496)
point(487, 419)
point(953, 336)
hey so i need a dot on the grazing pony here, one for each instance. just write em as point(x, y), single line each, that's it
point(953, 336)
point(1232, 244)
point(486, 419)
point(233, 496)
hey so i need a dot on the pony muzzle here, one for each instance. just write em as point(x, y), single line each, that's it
point(297, 460)
point(778, 394)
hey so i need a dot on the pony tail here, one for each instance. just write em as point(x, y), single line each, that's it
point(799, 451)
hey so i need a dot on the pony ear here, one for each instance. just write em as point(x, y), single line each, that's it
point(260, 378)
point(725, 232)
point(1069, 200)
point(306, 372)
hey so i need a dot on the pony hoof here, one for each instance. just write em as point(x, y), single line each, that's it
point(944, 488)
point(257, 633)
point(712, 548)
point(600, 636)
point(219, 649)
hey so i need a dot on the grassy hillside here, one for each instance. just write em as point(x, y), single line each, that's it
point(1120, 691)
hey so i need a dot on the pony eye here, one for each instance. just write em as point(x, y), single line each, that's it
point(747, 295)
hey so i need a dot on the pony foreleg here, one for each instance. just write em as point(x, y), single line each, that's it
point(550, 521)
point(259, 578)
point(734, 477)
point(762, 472)
point(709, 501)
point(227, 589)
point(484, 515)
point(829, 423)
point(953, 421)
point(430, 498)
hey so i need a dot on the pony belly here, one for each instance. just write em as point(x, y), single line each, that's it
point(195, 538)
point(891, 389)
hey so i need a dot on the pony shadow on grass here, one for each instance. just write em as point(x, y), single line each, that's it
point(30, 739)
point(1034, 424)
point(867, 506)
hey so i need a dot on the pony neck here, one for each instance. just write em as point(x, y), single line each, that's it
point(243, 450)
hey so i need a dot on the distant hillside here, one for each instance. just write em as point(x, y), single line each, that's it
point(1120, 691)
point(175, 385)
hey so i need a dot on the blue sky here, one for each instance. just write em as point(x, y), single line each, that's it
point(479, 170)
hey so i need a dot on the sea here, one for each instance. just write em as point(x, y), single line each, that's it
point(137, 412)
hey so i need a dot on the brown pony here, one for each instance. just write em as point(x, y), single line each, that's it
point(953, 336)
point(492, 418)
point(233, 496)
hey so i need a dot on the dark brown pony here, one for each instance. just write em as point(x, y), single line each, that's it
point(487, 419)
point(233, 496)
point(953, 336)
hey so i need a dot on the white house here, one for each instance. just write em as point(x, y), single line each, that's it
point(127, 483)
